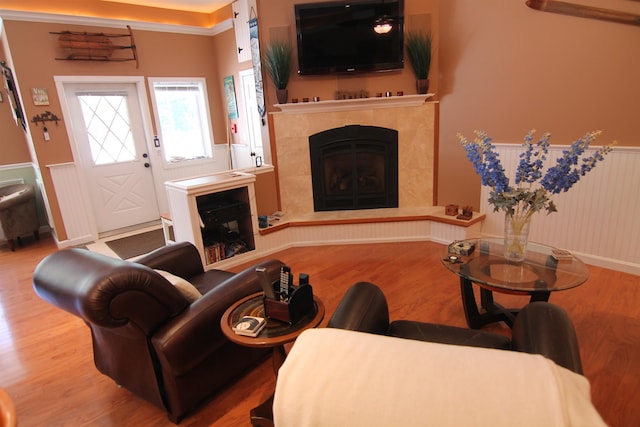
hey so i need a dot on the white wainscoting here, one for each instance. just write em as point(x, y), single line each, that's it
point(597, 218)
point(73, 206)
point(366, 232)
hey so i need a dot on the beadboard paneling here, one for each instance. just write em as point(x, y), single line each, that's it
point(597, 218)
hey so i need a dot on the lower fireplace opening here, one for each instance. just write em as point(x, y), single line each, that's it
point(354, 167)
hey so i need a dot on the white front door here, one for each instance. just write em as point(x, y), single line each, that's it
point(110, 139)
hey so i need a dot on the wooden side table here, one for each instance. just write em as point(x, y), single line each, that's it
point(275, 335)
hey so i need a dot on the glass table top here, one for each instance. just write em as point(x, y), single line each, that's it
point(539, 272)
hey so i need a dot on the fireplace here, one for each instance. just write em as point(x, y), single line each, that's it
point(354, 167)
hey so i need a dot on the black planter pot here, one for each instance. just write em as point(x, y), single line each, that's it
point(282, 95)
point(422, 86)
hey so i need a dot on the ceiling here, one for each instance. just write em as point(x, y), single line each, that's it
point(192, 15)
point(202, 6)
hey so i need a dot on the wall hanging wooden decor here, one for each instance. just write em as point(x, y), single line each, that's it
point(83, 46)
point(585, 11)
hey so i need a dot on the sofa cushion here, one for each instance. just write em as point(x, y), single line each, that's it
point(188, 291)
point(335, 377)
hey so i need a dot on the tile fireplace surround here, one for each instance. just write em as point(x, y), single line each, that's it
point(411, 116)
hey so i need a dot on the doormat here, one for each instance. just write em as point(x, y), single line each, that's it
point(138, 244)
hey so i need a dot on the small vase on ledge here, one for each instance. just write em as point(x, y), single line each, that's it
point(516, 236)
point(282, 95)
point(422, 86)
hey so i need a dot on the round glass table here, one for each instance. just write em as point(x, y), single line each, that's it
point(485, 265)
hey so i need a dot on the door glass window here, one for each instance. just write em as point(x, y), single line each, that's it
point(106, 117)
point(182, 114)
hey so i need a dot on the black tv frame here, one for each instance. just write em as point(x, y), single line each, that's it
point(340, 28)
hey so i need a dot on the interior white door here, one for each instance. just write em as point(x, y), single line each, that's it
point(254, 121)
point(110, 139)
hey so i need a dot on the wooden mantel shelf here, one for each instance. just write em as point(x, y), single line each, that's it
point(354, 104)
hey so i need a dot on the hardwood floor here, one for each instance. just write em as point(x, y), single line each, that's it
point(46, 360)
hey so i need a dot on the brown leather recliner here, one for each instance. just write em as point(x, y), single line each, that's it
point(540, 328)
point(146, 335)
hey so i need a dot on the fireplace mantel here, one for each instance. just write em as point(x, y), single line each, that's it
point(417, 130)
point(354, 104)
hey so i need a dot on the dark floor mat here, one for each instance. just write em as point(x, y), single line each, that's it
point(138, 244)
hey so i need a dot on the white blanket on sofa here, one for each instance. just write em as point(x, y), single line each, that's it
point(338, 378)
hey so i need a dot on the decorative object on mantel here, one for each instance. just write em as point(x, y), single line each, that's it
point(343, 94)
point(583, 11)
point(519, 203)
point(418, 45)
point(333, 105)
point(83, 46)
point(277, 61)
point(467, 213)
point(451, 210)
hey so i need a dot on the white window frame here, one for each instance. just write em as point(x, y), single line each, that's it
point(205, 118)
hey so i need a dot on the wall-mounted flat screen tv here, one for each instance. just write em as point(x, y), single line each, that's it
point(350, 36)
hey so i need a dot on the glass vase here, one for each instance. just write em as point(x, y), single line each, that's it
point(516, 236)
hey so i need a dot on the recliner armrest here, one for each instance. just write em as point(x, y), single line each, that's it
point(105, 291)
point(363, 308)
point(181, 259)
point(195, 333)
point(546, 329)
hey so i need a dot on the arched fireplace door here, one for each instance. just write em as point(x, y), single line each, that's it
point(354, 167)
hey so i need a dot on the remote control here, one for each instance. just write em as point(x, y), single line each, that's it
point(285, 280)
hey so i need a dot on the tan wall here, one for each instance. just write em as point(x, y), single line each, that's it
point(14, 147)
point(506, 69)
point(160, 54)
point(224, 44)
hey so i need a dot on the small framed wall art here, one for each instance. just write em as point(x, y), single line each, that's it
point(40, 96)
point(230, 95)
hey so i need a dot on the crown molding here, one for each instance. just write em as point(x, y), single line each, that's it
point(52, 18)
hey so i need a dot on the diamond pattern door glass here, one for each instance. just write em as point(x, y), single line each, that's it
point(108, 127)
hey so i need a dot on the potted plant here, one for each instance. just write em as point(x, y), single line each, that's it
point(418, 45)
point(277, 61)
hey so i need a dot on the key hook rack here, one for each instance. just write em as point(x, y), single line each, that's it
point(47, 116)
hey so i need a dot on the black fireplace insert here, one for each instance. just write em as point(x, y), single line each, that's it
point(354, 167)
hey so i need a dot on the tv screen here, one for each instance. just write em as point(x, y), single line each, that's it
point(350, 36)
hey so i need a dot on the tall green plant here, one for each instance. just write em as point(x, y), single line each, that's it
point(418, 46)
point(277, 61)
